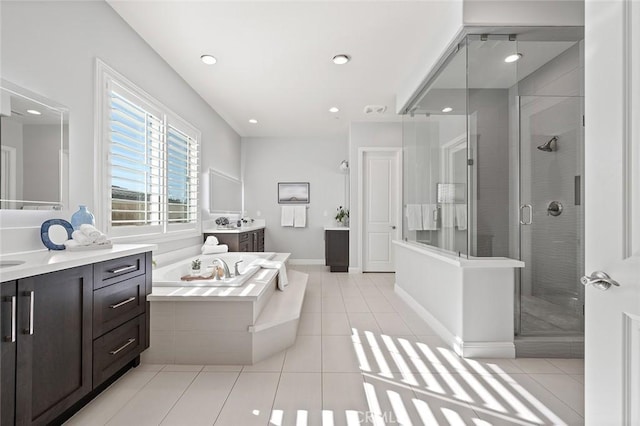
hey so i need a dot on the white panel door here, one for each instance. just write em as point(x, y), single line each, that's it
point(381, 192)
point(612, 211)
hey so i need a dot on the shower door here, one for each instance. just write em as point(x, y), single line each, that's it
point(551, 215)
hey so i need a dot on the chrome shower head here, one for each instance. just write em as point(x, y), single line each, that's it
point(546, 147)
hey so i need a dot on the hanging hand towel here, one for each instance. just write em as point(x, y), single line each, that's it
point(461, 216)
point(430, 217)
point(448, 218)
point(286, 217)
point(414, 217)
point(300, 216)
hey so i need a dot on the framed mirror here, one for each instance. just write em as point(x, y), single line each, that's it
point(34, 141)
point(225, 193)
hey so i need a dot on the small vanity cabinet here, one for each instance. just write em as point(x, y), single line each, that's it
point(240, 240)
point(67, 332)
point(336, 249)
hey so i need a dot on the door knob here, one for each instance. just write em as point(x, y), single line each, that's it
point(600, 280)
point(393, 227)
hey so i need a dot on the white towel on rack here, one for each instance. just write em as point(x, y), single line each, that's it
point(286, 217)
point(414, 217)
point(430, 217)
point(448, 218)
point(300, 216)
point(461, 216)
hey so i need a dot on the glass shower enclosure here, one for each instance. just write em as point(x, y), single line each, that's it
point(493, 159)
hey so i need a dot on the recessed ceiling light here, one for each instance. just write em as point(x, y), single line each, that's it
point(34, 112)
point(447, 109)
point(208, 59)
point(513, 58)
point(334, 109)
point(253, 121)
point(341, 59)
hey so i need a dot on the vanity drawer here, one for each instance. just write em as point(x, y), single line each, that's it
point(243, 237)
point(117, 348)
point(118, 303)
point(112, 271)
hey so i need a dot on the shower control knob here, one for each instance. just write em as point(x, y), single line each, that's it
point(600, 280)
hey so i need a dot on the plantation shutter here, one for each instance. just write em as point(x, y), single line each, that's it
point(182, 176)
point(137, 162)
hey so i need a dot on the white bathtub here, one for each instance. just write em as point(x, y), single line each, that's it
point(169, 276)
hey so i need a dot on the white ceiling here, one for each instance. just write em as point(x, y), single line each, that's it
point(274, 58)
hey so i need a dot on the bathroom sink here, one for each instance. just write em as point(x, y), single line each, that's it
point(10, 263)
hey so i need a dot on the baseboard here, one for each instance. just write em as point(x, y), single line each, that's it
point(486, 349)
point(355, 270)
point(462, 348)
point(442, 331)
point(306, 261)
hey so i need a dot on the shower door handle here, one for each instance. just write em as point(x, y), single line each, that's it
point(529, 216)
point(600, 280)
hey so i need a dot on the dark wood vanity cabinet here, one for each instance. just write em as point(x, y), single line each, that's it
point(66, 332)
point(336, 250)
point(241, 241)
point(46, 348)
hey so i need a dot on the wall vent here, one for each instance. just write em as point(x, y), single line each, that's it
point(375, 109)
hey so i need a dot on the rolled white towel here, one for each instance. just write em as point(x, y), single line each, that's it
point(211, 241)
point(82, 239)
point(90, 231)
point(102, 239)
point(71, 243)
point(210, 249)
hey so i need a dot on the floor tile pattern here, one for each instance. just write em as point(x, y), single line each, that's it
point(362, 356)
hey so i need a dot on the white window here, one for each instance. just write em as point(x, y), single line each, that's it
point(149, 162)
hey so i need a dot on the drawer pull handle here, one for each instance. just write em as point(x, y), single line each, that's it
point(124, 302)
point(115, 351)
point(30, 295)
point(11, 338)
point(123, 269)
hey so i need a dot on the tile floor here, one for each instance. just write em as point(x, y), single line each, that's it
point(361, 357)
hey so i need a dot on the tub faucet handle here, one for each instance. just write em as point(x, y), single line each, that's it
point(236, 272)
point(222, 263)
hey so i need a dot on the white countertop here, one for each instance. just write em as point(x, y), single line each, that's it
point(336, 228)
point(42, 262)
point(232, 230)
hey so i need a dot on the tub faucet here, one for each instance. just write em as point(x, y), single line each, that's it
point(236, 270)
point(227, 274)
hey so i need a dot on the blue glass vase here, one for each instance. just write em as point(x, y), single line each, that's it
point(81, 217)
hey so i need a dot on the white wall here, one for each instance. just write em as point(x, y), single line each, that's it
point(269, 161)
point(50, 48)
point(365, 135)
